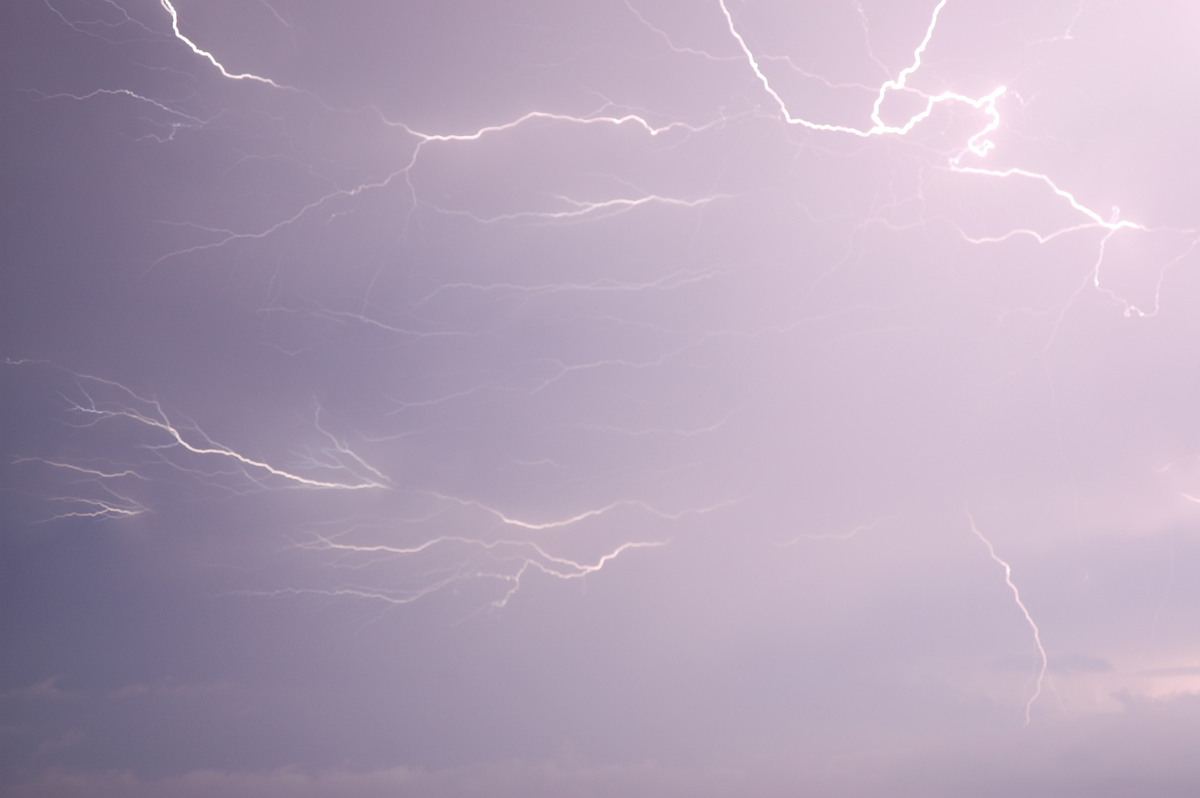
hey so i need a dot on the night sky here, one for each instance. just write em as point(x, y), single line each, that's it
point(615, 397)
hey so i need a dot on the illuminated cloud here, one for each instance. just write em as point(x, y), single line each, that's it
point(533, 398)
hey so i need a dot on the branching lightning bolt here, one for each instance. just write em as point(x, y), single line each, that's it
point(979, 145)
point(508, 559)
point(151, 415)
point(159, 421)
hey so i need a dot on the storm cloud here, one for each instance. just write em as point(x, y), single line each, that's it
point(612, 397)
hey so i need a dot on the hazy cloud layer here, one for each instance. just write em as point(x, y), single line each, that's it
point(598, 398)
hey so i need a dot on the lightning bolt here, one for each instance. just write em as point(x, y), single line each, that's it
point(145, 414)
point(505, 561)
point(977, 146)
point(1043, 660)
point(842, 535)
point(157, 420)
point(169, 7)
point(460, 558)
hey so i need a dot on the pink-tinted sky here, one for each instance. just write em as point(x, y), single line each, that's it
point(645, 398)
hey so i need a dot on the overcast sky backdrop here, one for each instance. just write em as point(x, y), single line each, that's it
point(647, 398)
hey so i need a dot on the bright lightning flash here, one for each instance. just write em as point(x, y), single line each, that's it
point(486, 542)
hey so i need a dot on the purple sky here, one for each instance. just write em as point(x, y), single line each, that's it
point(620, 397)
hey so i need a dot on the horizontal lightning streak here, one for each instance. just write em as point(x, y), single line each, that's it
point(120, 93)
point(582, 208)
point(587, 208)
point(557, 566)
point(582, 516)
point(95, 472)
point(577, 569)
point(160, 421)
point(99, 508)
point(163, 424)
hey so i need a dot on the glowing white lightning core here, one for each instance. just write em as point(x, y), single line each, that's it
point(979, 145)
point(900, 83)
point(212, 59)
